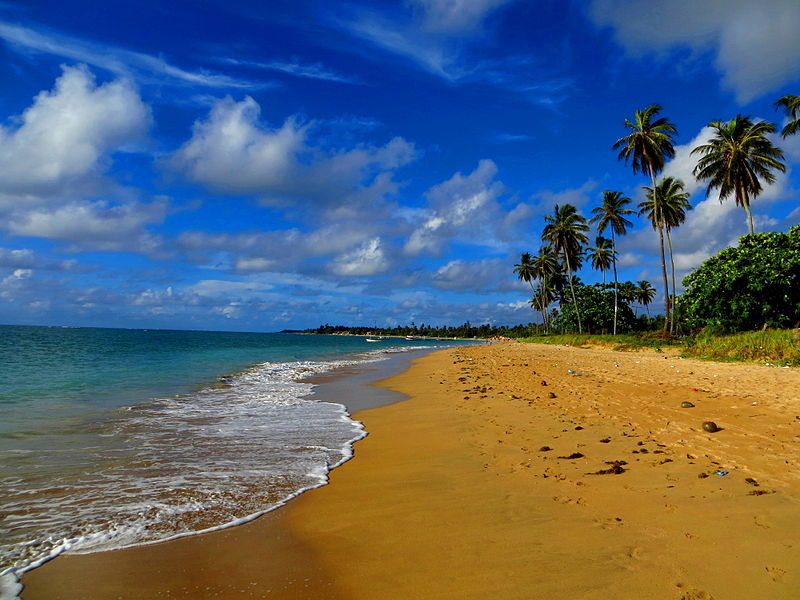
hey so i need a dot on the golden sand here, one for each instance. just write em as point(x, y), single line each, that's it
point(454, 494)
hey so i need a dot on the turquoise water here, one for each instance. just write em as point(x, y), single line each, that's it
point(115, 437)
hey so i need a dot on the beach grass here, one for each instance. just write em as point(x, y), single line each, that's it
point(778, 347)
point(620, 342)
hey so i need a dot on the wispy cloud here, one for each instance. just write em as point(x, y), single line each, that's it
point(294, 68)
point(435, 41)
point(143, 67)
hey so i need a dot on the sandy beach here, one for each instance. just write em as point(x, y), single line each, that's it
point(517, 471)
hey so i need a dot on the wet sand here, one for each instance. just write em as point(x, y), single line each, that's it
point(506, 476)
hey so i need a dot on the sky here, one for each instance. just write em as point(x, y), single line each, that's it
point(258, 166)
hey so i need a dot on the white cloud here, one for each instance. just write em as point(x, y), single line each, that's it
point(455, 16)
point(232, 152)
point(94, 225)
point(27, 259)
point(119, 61)
point(68, 133)
point(755, 44)
point(477, 276)
point(464, 208)
point(367, 259)
point(294, 67)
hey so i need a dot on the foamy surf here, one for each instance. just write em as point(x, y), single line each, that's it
point(179, 466)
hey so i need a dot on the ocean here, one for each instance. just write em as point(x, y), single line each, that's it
point(114, 437)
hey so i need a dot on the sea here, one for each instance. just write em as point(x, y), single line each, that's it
point(112, 438)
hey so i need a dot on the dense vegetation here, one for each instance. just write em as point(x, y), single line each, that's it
point(750, 286)
point(467, 330)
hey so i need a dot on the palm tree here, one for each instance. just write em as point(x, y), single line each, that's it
point(565, 232)
point(648, 145)
point(737, 158)
point(611, 214)
point(653, 208)
point(547, 270)
point(525, 272)
point(676, 203)
point(601, 255)
point(791, 105)
point(645, 294)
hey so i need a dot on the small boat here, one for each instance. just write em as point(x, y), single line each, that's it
point(373, 340)
point(411, 338)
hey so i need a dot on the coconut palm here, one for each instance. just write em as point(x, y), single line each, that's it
point(648, 146)
point(791, 105)
point(653, 208)
point(601, 255)
point(645, 294)
point(547, 270)
point(525, 272)
point(676, 203)
point(565, 232)
point(611, 215)
point(737, 159)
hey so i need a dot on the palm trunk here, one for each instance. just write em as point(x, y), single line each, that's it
point(663, 258)
point(666, 283)
point(744, 201)
point(572, 289)
point(673, 323)
point(616, 284)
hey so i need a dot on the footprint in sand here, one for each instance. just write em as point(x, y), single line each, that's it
point(696, 595)
point(776, 573)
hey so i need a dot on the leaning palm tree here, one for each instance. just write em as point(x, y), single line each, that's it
point(737, 158)
point(601, 255)
point(565, 232)
point(611, 214)
point(791, 105)
point(645, 294)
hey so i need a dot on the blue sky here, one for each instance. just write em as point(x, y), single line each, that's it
point(257, 166)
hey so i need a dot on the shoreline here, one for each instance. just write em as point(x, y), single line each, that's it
point(454, 495)
point(355, 386)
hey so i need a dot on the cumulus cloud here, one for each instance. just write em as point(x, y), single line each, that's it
point(68, 133)
point(755, 44)
point(485, 275)
point(464, 208)
point(367, 259)
point(93, 225)
point(232, 152)
point(25, 258)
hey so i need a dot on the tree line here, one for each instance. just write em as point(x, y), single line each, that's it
point(736, 162)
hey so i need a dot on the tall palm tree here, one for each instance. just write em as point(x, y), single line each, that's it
point(547, 269)
point(647, 146)
point(737, 158)
point(601, 255)
point(791, 105)
point(676, 203)
point(653, 208)
point(611, 215)
point(645, 294)
point(565, 232)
